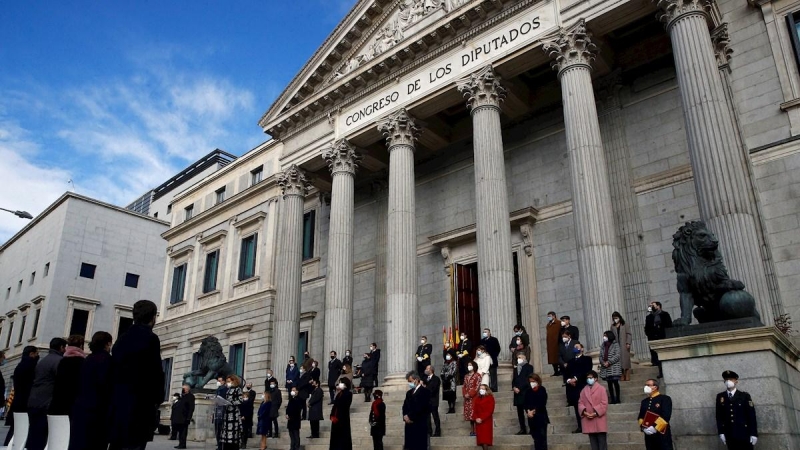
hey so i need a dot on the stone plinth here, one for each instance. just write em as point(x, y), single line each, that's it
point(713, 327)
point(768, 364)
point(203, 426)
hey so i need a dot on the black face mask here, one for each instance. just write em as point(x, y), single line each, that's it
point(333, 357)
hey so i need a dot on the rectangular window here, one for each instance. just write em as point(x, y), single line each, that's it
point(236, 358)
point(247, 258)
point(189, 210)
point(308, 235)
point(36, 322)
point(210, 276)
point(220, 195)
point(124, 324)
point(155, 215)
point(80, 321)
point(793, 21)
point(8, 293)
point(33, 277)
point(87, 270)
point(46, 269)
point(10, 332)
point(166, 366)
point(178, 284)
point(131, 280)
point(169, 209)
point(196, 361)
point(256, 175)
point(302, 343)
point(19, 286)
point(22, 329)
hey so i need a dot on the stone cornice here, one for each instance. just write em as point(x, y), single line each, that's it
point(524, 216)
point(482, 89)
point(249, 220)
point(84, 300)
point(400, 129)
point(293, 181)
point(342, 157)
point(213, 237)
point(672, 10)
point(571, 47)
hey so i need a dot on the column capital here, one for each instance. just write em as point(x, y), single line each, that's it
point(571, 47)
point(293, 181)
point(672, 10)
point(482, 88)
point(722, 49)
point(342, 157)
point(400, 129)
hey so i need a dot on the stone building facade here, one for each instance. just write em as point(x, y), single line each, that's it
point(470, 164)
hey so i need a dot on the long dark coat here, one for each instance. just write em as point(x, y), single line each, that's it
point(578, 368)
point(276, 398)
point(67, 379)
point(537, 400)
point(89, 420)
point(315, 404)
point(368, 372)
point(138, 386)
point(334, 369)
point(417, 407)
point(23, 381)
point(293, 410)
point(341, 436)
point(521, 382)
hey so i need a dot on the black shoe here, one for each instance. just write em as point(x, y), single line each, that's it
point(521, 433)
point(178, 446)
point(438, 433)
point(310, 437)
point(577, 430)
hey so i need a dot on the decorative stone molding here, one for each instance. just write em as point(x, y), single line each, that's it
point(23, 307)
point(342, 157)
point(722, 50)
point(293, 181)
point(175, 254)
point(526, 230)
point(571, 47)
point(212, 238)
point(400, 129)
point(482, 89)
point(607, 92)
point(458, 236)
point(448, 259)
point(38, 299)
point(672, 10)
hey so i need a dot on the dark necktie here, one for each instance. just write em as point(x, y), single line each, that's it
point(730, 395)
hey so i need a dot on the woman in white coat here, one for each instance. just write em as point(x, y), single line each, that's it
point(484, 362)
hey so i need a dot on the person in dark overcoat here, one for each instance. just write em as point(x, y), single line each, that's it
point(246, 410)
point(89, 418)
point(137, 381)
point(520, 386)
point(367, 372)
point(566, 352)
point(315, 372)
point(341, 435)
point(334, 370)
point(23, 381)
point(576, 380)
point(68, 377)
point(416, 409)
point(41, 396)
point(655, 328)
point(449, 373)
point(536, 411)
point(187, 410)
point(433, 384)
point(348, 358)
point(293, 420)
point(276, 398)
point(292, 373)
point(736, 415)
point(375, 356)
point(175, 416)
point(377, 420)
point(304, 390)
point(315, 408)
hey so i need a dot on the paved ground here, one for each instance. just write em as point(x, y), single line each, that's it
point(160, 443)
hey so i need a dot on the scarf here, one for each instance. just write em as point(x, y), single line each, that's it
point(606, 349)
point(74, 351)
point(375, 411)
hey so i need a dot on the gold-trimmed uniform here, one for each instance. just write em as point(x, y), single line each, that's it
point(661, 405)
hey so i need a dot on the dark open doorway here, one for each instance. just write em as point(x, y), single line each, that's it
point(468, 311)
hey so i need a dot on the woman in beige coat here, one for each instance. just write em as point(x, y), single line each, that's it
point(623, 334)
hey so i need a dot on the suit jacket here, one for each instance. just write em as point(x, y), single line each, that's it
point(573, 330)
point(736, 417)
point(566, 351)
point(655, 331)
point(293, 375)
point(276, 398)
point(434, 384)
point(304, 385)
point(315, 405)
point(293, 409)
point(537, 401)
point(417, 407)
point(492, 348)
point(334, 370)
point(521, 374)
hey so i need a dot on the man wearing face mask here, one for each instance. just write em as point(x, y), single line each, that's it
point(219, 411)
point(423, 354)
point(553, 339)
point(246, 412)
point(334, 370)
point(375, 356)
point(276, 398)
point(655, 413)
point(736, 415)
point(433, 384)
point(416, 409)
point(573, 330)
point(655, 326)
point(348, 359)
point(492, 346)
point(521, 374)
point(292, 374)
point(566, 353)
point(315, 408)
point(303, 386)
point(464, 350)
point(577, 372)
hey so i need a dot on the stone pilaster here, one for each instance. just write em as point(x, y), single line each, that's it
point(342, 161)
point(493, 231)
point(294, 186)
point(595, 234)
point(720, 174)
point(401, 134)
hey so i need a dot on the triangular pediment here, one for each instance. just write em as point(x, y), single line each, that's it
point(373, 30)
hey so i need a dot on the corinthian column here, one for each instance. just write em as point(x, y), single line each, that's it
point(401, 254)
point(495, 264)
point(595, 235)
point(342, 160)
point(294, 186)
point(718, 165)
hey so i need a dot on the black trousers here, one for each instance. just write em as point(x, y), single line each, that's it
point(37, 433)
point(332, 391)
point(218, 425)
point(493, 377)
point(435, 416)
point(183, 431)
point(314, 428)
point(10, 422)
point(377, 442)
point(654, 359)
point(658, 441)
point(556, 369)
point(522, 417)
point(273, 426)
point(737, 444)
point(577, 415)
point(539, 435)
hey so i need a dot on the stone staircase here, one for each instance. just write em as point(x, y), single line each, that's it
point(623, 433)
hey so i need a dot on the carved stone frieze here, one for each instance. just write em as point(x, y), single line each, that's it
point(342, 156)
point(672, 10)
point(482, 88)
point(721, 41)
point(400, 129)
point(571, 47)
point(526, 230)
point(293, 181)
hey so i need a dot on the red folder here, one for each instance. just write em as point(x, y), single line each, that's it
point(650, 419)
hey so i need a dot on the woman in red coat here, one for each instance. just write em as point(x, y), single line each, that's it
point(469, 390)
point(482, 411)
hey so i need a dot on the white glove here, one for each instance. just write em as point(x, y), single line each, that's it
point(722, 438)
point(650, 430)
point(753, 440)
point(419, 358)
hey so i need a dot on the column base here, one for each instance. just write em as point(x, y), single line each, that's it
point(394, 382)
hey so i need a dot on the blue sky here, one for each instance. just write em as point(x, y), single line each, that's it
point(118, 96)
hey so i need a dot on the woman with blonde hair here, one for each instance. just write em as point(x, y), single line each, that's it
point(231, 435)
point(263, 425)
point(482, 414)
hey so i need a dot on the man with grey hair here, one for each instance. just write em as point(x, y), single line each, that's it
point(654, 416)
point(416, 409)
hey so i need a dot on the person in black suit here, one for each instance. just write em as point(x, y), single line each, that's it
point(434, 384)
point(293, 421)
point(304, 389)
point(423, 354)
point(334, 370)
point(23, 382)
point(135, 357)
point(492, 346)
point(536, 411)
point(463, 354)
point(416, 409)
point(655, 325)
point(315, 408)
point(246, 412)
point(521, 374)
point(187, 410)
point(375, 356)
point(341, 434)
point(315, 371)
point(566, 352)
point(367, 372)
point(576, 381)
point(736, 415)
point(377, 420)
point(573, 330)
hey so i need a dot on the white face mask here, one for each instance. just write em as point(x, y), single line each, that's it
point(469, 368)
point(520, 361)
point(302, 370)
point(229, 384)
point(341, 386)
point(649, 309)
point(422, 341)
point(590, 381)
point(563, 324)
point(294, 393)
point(730, 384)
point(605, 338)
point(448, 357)
point(479, 353)
point(534, 384)
point(463, 338)
point(519, 342)
point(565, 339)
point(347, 354)
point(616, 319)
point(648, 390)
point(219, 384)
point(272, 386)
point(482, 391)
point(485, 334)
point(263, 397)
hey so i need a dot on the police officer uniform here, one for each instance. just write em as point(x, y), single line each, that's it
point(736, 416)
point(423, 351)
point(660, 404)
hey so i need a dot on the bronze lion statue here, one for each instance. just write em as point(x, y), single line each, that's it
point(212, 364)
point(703, 282)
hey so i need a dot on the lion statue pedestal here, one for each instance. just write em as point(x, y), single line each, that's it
point(212, 365)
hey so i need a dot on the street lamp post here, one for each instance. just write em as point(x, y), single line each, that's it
point(20, 214)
